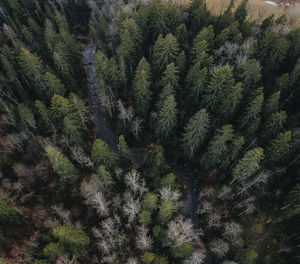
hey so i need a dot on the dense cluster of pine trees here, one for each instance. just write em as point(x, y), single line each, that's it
point(216, 95)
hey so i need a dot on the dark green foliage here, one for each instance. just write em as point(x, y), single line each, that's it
point(183, 250)
point(149, 202)
point(157, 161)
point(102, 155)
point(123, 151)
point(145, 217)
point(105, 177)
point(166, 212)
point(195, 132)
point(279, 147)
point(61, 164)
point(147, 258)
point(9, 215)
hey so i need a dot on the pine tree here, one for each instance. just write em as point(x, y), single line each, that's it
point(60, 108)
point(142, 92)
point(251, 115)
point(294, 202)
point(218, 146)
point(241, 12)
point(73, 130)
point(61, 164)
point(235, 149)
point(249, 164)
point(149, 202)
point(123, 151)
point(272, 104)
point(206, 34)
point(105, 177)
point(166, 92)
point(102, 155)
point(157, 162)
point(274, 124)
point(102, 69)
point(197, 83)
point(166, 212)
point(79, 109)
point(170, 76)
point(183, 251)
point(147, 258)
point(181, 34)
point(199, 15)
point(165, 51)
point(26, 116)
point(131, 40)
point(250, 75)
point(145, 218)
point(167, 118)
point(222, 95)
point(9, 215)
point(195, 132)
point(53, 85)
point(279, 147)
point(33, 69)
point(43, 112)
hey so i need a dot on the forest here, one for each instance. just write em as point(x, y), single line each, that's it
point(148, 132)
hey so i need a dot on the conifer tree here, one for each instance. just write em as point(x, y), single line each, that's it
point(43, 112)
point(274, 124)
point(250, 75)
point(293, 200)
point(222, 95)
point(195, 132)
point(157, 162)
point(167, 118)
point(241, 12)
point(166, 211)
point(102, 155)
point(131, 39)
point(170, 76)
point(218, 146)
point(251, 115)
point(61, 164)
point(60, 108)
point(149, 202)
point(199, 15)
point(272, 104)
point(26, 116)
point(72, 128)
point(123, 151)
point(53, 85)
point(33, 69)
point(249, 164)
point(142, 92)
point(166, 92)
point(105, 177)
point(279, 147)
point(165, 51)
point(79, 109)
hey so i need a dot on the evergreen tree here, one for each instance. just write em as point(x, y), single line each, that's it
point(43, 112)
point(79, 109)
point(218, 146)
point(166, 212)
point(9, 215)
point(222, 95)
point(123, 151)
point(167, 118)
point(149, 202)
point(170, 76)
point(199, 15)
point(279, 147)
point(157, 162)
point(72, 128)
point(197, 83)
point(53, 85)
point(60, 108)
point(250, 75)
point(102, 155)
point(166, 92)
point(131, 39)
point(293, 200)
point(249, 164)
point(33, 70)
point(165, 51)
point(183, 251)
point(26, 116)
point(241, 12)
point(272, 104)
point(105, 177)
point(147, 258)
point(145, 218)
point(274, 124)
point(195, 132)
point(142, 92)
point(102, 69)
point(251, 115)
point(61, 164)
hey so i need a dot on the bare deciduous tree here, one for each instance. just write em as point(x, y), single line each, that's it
point(143, 241)
point(100, 204)
point(134, 181)
point(232, 231)
point(197, 257)
point(219, 248)
point(169, 194)
point(131, 208)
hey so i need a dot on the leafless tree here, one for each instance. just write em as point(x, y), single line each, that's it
point(143, 240)
point(80, 157)
point(229, 262)
point(207, 192)
point(219, 248)
point(63, 215)
point(14, 142)
point(232, 231)
point(197, 257)
point(181, 231)
point(131, 208)
point(109, 103)
point(100, 203)
point(89, 188)
point(205, 207)
point(169, 194)
point(136, 127)
point(64, 259)
point(225, 193)
point(132, 260)
point(214, 220)
point(109, 227)
point(134, 181)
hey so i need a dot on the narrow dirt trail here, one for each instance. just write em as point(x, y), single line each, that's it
point(103, 131)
